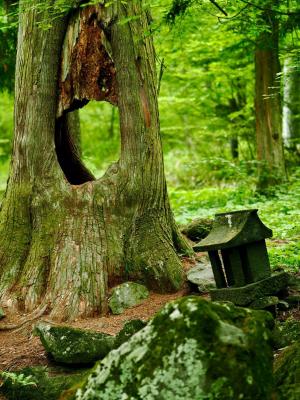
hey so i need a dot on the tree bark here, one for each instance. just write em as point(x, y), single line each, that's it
point(65, 237)
point(268, 105)
point(291, 108)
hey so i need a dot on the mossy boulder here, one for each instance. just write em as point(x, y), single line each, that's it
point(197, 229)
point(192, 349)
point(286, 333)
point(127, 295)
point(74, 346)
point(287, 373)
point(39, 383)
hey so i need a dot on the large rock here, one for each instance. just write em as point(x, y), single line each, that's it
point(127, 295)
point(287, 373)
point(202, 276)
point(74, 346)
point(197, 229)
point(39, 383)
point(67, 345)
point(193, 350)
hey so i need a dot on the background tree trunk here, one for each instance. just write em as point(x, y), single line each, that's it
point(268, 105)
point(291, 108)
point(65, 242)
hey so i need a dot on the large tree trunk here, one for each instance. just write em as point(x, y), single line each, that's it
point(268, 105)
point(65, 237)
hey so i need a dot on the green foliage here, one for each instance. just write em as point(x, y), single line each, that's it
point(8, 41)
point(39, 383)
point(6, 125)
point(17, 379)
point(6, 132)
point(178, 8)
point(100, 136)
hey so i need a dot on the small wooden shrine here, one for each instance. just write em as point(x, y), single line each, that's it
point(238, 254)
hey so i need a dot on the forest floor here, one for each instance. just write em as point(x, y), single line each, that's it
point(20, 348)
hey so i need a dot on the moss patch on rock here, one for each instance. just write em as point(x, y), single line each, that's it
point(39, 383)
point(287, 373)
point(286, 333)
point(127, 295)
point(264, 302)
point(74, 346)
point(128, 330)
point(192, 349)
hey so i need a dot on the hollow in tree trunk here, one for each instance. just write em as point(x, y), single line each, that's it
point(65, 237)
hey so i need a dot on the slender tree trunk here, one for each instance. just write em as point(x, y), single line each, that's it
point(268, 106)
point(291, 108)
point(65, 237)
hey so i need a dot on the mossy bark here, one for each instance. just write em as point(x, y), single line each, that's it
point(63, 242)
point(268, 103)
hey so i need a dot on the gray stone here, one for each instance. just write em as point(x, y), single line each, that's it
point(264, 302)
point(202, 276)
point(245, 295)
point(192, 349)
point(74, 346)
point(127, 295)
